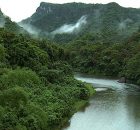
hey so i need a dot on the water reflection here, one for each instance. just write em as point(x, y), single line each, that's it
point(114, 108)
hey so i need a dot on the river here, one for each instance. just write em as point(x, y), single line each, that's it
point(115, 106)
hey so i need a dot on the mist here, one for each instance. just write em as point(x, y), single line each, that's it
point(66, 28)
point(71, 28)
point(2, 22)
point(30, 29)
point(123, 25)
point(97, 13)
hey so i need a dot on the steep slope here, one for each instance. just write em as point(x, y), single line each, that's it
point(6, 23)
point(110, 22)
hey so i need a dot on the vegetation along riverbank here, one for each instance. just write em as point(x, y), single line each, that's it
point(37, 87)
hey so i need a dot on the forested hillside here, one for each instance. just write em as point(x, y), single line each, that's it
point(63, 22)
point(7, 24)
point(37, 87)
point(117, 60)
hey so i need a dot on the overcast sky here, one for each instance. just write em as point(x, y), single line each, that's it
point(21, 9)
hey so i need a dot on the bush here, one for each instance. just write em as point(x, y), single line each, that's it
point(13, 97)
point(19, 77)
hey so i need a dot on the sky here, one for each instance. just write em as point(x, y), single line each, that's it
point(18, 10)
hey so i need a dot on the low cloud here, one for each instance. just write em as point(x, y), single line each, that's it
point(66, 28)
point(71, 28)
point(2, 22)
point(123, 25)
point(30, 29)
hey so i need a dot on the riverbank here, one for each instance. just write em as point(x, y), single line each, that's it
point(121, 79)
point(99, 75)
point(78, 105)
point(82, 103)
point(107, 106)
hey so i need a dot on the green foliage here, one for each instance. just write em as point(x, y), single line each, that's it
point(20, 77)
point(119, 59)
point(24, 53)
point(2, 53)
point(13, 97)
point(12, 26)
point(7, 24)
point(37, 87)
point(132, 69)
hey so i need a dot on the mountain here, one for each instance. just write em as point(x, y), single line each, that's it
point(7, 24)
point(109, 22)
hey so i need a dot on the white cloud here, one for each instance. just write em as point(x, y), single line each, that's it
point(70, 28)
point(21, 9)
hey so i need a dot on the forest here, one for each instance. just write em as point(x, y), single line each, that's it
point(108, 59)
point(38, 90)
point(37, 87)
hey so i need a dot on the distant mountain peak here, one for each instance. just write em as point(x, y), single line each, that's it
point(103, 19)
point(114, 3)
point(45, 7)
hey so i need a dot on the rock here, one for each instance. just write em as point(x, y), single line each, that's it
point(122, 80)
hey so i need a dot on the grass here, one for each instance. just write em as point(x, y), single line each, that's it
point(79, 105)
point(90, 89)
